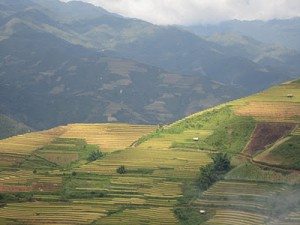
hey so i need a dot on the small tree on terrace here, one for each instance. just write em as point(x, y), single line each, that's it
point(94, 155)
point(121, 170)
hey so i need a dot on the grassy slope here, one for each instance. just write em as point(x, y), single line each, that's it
point(228, 128)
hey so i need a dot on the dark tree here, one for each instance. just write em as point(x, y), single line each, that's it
point(121, 170)
point(94, 155)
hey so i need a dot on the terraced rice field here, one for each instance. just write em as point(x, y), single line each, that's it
point(270, 111)
point(25, 144)
point(52, 213)
point(272, 104)
point(284, 154)
point(236, 217)
point(292, 219)
point(165, 141)
point(69, 189)
point(249, 196)
point(256, 173)
point(26, 181)
point(109, 137)
point(152, 216)
point(168, 163)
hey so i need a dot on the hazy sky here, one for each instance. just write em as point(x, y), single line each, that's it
point(201, 11)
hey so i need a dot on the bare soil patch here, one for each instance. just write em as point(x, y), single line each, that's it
point(266, 134)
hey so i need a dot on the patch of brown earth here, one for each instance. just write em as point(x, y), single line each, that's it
point(266, 134)
point(14, 188)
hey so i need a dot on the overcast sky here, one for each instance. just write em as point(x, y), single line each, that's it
point(201, 11)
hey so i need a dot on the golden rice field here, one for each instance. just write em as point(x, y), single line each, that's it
point(109, 137)
point(169, 163)
point(60, 158)
point(25, 181)
point(152, 216)
point(37, 213)
point(146, 194)
point(272, 104)
point(25, 144)
point(270, 111)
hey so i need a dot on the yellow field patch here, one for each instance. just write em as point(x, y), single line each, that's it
point(52, 213)
point(109, 137)
point(270, 111)
point(60, 158)
point(27, 143)
point(151, 216)
point(173, 163)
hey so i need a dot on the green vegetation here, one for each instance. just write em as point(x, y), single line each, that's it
point(230, 133)
point(186, 212)
point(94, 155)
point(214, 171)
point(68, 152)
point(16, 197)
point(251, 172)
point(10, 127)
point(121, 170)
point(289, 151)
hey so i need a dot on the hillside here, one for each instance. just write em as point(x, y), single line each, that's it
point(48, 176)
point(70, 57)
point(46, 70)
point(10, 127)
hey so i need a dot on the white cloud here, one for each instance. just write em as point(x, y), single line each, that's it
point(201, 11)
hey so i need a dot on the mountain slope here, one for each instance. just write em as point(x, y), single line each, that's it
point(10, 127)
point(283, 32)
point(169, 48)
point(60, 83)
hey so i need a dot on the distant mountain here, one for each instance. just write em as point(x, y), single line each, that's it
point(74, 62)
point(283, 32)
point(170, 48)
point(10, 127)
point(274, 58)
point(52, 82)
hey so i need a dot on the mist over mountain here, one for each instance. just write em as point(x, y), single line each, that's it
point(281, 32)
point(74, 62)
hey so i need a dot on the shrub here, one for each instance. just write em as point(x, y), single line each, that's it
point(121, 170)
point(94, 155)
point(221, 162)
point(214, 171)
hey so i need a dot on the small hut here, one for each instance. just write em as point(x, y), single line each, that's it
point(196, 139)
point(289, 95)
point(202, 211)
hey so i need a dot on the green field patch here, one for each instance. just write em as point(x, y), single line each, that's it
point(286, 155)
point(251, 172)
point(217, 129)
point(66, 151)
